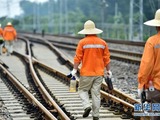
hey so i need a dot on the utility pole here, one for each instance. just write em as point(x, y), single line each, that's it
point(103, 3)
point(38, 17)
point(66, 16)
point(34, 16)
point(22, 19)
point(8, 7)
point(49, 20)
point(131, 20)
point(60, 14)
point(115, 18)
point(116, 11)
point(53, 8)
point(103, 6)
point(141, 19)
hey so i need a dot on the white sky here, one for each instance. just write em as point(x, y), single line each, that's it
point(12, 7)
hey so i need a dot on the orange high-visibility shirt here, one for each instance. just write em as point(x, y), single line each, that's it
point(150, 63)
point(1, 32)
point(94, 55)
point(9, 33)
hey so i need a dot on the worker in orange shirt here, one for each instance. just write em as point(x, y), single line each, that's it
point(1, 39)
point(10, 35)
point(149, 71)
point(93, 53)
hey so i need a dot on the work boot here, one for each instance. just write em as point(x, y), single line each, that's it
point(86, 112)
point(95, 118)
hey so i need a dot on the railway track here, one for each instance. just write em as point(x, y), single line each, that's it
point(13, 104)
point(44, 108)
point(54, 81)
point(129, 55)
point(26, 104)
point(124, 64)
point(39, 40)
point(73, 39)
point(69, 99)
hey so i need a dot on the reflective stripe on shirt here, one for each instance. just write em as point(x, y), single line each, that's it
point(93, 46)
point(157, 46)
point(9, 30)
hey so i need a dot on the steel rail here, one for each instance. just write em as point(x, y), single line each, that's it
point(77, 38)
point(42, 89)
point(26, 93)
point(119, 94)
point(127, 56)
point(116, 92)
point(54, 48)
point(104, 86)
point(130, 57)
point(114, 95)
point(104, 94)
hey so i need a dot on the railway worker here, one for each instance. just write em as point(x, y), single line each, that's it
point(93, 53)
point(1, 39)
point(10, 35)
point(149, 71)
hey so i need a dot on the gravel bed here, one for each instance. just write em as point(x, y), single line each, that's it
point(126, 47)
point(125, 77)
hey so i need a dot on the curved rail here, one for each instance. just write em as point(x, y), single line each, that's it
point(127, 56)
point(125, 42)
point(44, 92)
point(122, 98)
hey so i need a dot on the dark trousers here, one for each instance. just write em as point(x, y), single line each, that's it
point(154, 97)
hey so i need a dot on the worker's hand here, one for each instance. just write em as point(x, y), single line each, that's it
point(73, 72)
point(109, 74)
point(140, 92)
